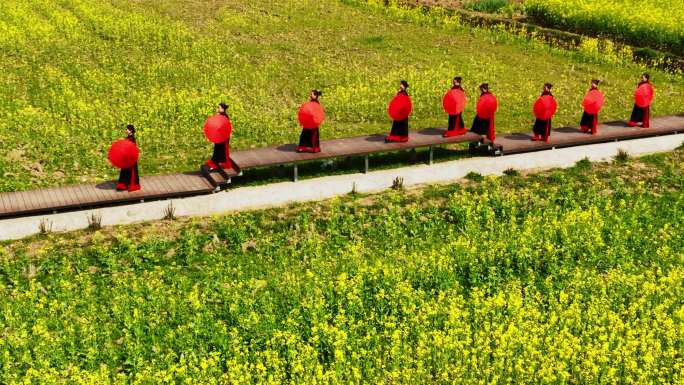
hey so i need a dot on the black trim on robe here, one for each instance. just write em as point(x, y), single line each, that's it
point(480, 126)
point(400, 128)
point(309, 140)
point(542, 128)
point(130, 176)
point(590, 121)
point(221, 151)
point(456, 118)
point(639, 114)
point(456, 122)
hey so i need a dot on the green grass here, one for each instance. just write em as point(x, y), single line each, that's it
point(570, 276)
point(74, 72)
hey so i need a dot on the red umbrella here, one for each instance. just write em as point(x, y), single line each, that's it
point(643, 96)
point(218, 128)
point(593, 102)
point(123, 153)
point(486, 106)
point(311, 115)
point(400, 107)
point(545, 107)
point(454, 101)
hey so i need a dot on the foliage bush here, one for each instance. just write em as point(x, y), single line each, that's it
point(490, 6)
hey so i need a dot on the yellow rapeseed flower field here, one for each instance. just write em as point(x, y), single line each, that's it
point(646, 23)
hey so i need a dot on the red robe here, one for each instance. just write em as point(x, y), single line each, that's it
point(456, 125)
point(482, 126)
point(129, 178)
point(221, 155)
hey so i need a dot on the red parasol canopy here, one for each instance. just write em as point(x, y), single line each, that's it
point(593, 102)
point(454, 102)
point(218, 128)
point(643, 96)
point(123, 153)
point(400, 107)
point(545, 107)
point(311, 115)
point(486, 106)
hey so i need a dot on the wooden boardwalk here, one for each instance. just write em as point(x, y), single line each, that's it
point(572, 136)
point(89, 195)
point(335, 148)
point(177, 185)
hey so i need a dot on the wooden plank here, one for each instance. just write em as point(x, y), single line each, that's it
point(199, 183)
point(32, 202)
point(4, 204)
point(27, 202)
point(53, 198)
point(105, 192)
point(8, 203)
point(83, 195)
point(164, 186)
point(192, 183)
point(41, 200)
point(178, 183)
point(362, 145)
point(181, 183)
point(18, 201)
point(70, 196)
point(92, 194)
point(26, 199)
point(151, 188)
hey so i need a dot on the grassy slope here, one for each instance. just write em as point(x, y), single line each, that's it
point(75, 71)
point(563, 277)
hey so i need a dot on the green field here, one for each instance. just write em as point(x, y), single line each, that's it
point(74, 72)
point(565, 277)
point(644, 23)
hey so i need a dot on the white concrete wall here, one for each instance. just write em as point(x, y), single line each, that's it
point(278, 194)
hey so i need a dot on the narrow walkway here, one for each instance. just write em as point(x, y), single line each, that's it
point(279, 194)
point(186, 184)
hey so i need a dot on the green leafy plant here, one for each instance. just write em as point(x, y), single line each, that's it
point(474, 176)
point(490, 6)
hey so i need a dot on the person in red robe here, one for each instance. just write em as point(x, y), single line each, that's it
point(455, 126)
point(129, 178)
point(542, 127)
point(400, 128)
point(484, 126)
point(589, 122)
point(309, 139)
point(641, 114)
point(221, 155)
